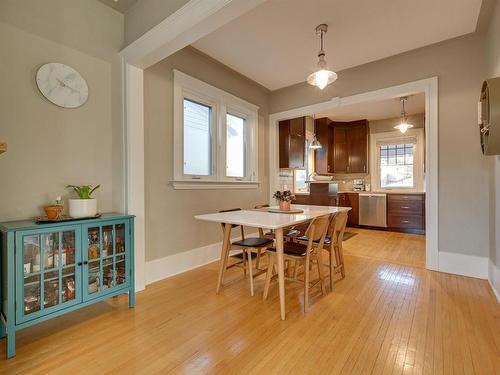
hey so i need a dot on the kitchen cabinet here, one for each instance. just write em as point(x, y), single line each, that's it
point(292, 142)
point(350, 147)
point(345, 147)
point(350, 200)
point(323, 155)
point(406, 212)
point(52, 269)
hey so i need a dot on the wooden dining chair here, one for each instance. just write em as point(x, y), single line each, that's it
point(333, 245)
point(303, 253)
point(247, 245)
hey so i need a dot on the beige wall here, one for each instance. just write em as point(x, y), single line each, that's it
point(145, 14)
point(170, 224)
point(493, 70)
point(388, 124)
point(49, 146)
point(463, 171)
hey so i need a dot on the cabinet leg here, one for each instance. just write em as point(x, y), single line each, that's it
point(11, 343)
point(131, 298)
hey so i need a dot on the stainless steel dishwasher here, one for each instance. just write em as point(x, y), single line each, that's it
point(372, 209)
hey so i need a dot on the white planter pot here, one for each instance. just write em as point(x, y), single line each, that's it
point(82, 207)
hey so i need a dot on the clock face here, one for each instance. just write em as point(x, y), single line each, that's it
point(62, 85)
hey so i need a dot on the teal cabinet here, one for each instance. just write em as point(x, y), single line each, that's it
point(50, 269)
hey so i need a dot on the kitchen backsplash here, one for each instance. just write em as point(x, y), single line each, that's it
point(345, 182)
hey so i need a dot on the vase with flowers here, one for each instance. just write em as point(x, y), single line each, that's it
point(284, 199)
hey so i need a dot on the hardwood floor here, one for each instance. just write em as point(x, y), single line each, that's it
point(383, 318)
point(402, 248)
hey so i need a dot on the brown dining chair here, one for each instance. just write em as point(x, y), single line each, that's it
point(247, 245)
point(333, 245)
point(303, 253)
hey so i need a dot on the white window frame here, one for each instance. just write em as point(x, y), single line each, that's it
point(415, 136)
point(222, 103)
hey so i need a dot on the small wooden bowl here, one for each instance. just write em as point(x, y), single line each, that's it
point(53, 212)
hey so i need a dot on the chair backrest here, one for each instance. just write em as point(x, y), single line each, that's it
point(233, 225)
point(317, 230)
point(337, 228)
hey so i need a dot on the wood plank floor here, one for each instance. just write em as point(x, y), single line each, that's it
point(384, 318)
point(395, 247)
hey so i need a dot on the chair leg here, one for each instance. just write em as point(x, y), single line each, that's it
point(250, 270)
point(296, 269)
point(269, 274)
point(306, 282)
point(257, 261)
point(341, 258)
point(319, 262)
point(332, 269)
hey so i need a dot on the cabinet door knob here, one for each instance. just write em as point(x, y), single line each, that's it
point(79, 263)
point(85, 262)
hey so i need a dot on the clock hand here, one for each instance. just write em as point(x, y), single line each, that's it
point(66, 85)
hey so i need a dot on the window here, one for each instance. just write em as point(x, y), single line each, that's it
point(396, 166)
point(299, 183)
point(235, 146)
point(397, 160)
point(215, 137)
point(197, 139)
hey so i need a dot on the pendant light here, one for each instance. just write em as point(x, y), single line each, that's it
point(314, 145)
point(403, 125)
point(322, 77)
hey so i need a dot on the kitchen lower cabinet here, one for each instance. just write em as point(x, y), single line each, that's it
point(350, 200)
point(406, 213)
point(51, 269)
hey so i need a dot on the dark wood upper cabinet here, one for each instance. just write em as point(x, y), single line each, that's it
point(345, 146)
point(358, 147)
point(292, 141)
point(340, 149)
point(322, 131)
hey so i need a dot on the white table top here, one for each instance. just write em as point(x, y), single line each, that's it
point(270, 220)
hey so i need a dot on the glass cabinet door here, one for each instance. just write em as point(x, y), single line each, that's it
point(106, 258)
point(47, 262)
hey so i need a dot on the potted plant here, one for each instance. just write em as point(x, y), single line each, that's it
point(85, 205)
point(284, 199)
point(53, 211)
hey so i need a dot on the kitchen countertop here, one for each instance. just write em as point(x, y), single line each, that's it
point(381, 192)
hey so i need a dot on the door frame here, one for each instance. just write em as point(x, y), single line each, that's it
point(428, 86)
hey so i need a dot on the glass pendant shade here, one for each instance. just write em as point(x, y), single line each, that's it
point(322, 78)
point(403, 127)
point(315, 143)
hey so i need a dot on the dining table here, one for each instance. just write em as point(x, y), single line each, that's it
point(265, 219)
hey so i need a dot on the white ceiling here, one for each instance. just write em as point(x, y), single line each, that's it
point(275, 44)
point(376, 110)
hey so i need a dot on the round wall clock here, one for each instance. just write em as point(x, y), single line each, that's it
point(62, 85)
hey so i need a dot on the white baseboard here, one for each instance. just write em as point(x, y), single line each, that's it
point(171, 265)
point(494, 279)
point(462, 264)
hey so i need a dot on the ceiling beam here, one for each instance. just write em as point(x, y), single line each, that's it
point(191, 22)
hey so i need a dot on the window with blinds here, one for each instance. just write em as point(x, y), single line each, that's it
point(396, 165)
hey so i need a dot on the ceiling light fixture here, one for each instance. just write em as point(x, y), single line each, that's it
point(314, 145)
point(403, 125)
point(322, 77)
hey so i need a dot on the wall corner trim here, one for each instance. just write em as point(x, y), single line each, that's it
point(463, 264)
point(494, 279)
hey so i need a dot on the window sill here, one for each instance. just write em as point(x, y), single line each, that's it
point(214, 185)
